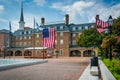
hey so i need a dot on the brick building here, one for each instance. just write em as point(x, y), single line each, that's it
point(28, 42)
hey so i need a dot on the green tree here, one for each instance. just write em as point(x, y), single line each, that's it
point(89, 38)
point(116, 27)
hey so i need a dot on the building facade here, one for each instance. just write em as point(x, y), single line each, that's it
point(25, 40)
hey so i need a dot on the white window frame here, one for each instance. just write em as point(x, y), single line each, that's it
point(61, 42)
point(61, 27)
point(86, 27)
point(80, 28)
point(61, 34)
point(37, 35)
point(29, 37)
point(20, 37)
point(25, 37)
point(73, 42)
point(74, 35)
point(74, 28)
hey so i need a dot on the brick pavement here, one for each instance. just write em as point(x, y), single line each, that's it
point(55, 69)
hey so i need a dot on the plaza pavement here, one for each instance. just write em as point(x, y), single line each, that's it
point(67, 68)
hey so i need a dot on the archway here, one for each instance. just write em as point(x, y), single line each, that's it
point(88, 53)
point(18, 53)
point(27, 53)
point(9, 53)
point(75, 53)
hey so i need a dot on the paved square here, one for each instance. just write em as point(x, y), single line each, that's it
point(56, 69)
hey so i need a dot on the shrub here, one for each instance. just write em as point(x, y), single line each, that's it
point(113, 66)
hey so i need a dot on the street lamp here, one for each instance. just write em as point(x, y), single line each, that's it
point(110, 20)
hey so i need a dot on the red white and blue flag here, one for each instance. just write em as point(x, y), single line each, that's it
point(102, 23)
point(100, 30)
point(48, 37)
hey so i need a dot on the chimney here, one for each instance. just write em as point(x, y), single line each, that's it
point(42, 21)
point(67, 19)
point(97, 16)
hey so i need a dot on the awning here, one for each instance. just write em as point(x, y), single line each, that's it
point(32, 48)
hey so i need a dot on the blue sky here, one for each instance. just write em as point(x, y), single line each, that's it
point(80, 11)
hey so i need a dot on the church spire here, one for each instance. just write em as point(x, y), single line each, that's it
point(21, 22)
point(22, 16)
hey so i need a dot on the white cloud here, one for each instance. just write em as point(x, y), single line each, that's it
point(1, 7)
point(29, 21)
point(85, 11)
point(14, 25)
point(40, 2)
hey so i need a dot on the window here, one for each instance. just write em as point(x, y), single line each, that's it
point(25, 37)
point(29, 43)
point(37, 43)
point(29, 32)
point(74, 28)
point(74, 34)
point(83, 27)
point(20, 43)
point(20, 33)
point(24, 32)
point(61, 34)
point(61, 42)
point(74, 42)
point(61, 52)
point(37, 35)
point(79, 28)
point(20, 38)
point(61, 27)
point(86, 27)
point(29, 37)
point(24, 43)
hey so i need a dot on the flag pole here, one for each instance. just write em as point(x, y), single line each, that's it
point(10, 38)
point(34, 35)
point(42, 23)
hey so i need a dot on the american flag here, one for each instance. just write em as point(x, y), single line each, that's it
point(48, 37)
point(100, 30)
point(102, 23)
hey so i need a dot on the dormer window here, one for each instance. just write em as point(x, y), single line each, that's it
point(74, 28)
point(80, 28)
point(29, 32)
point(24, 32)
point(61, 27)
point(86, 27)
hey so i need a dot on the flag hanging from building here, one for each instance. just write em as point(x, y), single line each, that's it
point(100, 30)
point(48, 37)
point(102, 23)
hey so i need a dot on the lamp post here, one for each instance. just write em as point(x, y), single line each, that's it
point(110, 20)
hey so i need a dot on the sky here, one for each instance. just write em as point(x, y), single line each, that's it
point(80, 11)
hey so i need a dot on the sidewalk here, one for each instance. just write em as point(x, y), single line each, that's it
point(87, 76)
